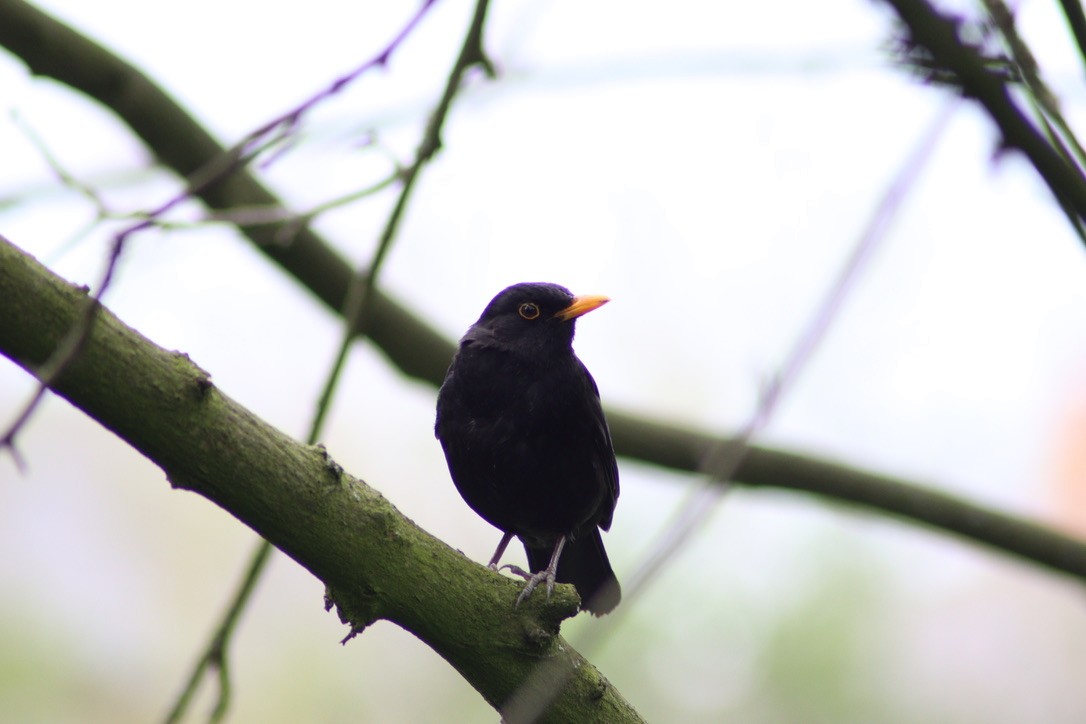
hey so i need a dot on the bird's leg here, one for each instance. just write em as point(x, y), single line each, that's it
point(547, 574)
point(494, 559)
point(497, 557)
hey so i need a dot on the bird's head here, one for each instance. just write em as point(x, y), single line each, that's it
point(531, 317)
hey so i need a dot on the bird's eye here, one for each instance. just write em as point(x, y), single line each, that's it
point(529, 310)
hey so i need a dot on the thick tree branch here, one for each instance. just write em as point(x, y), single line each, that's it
point(684, 449)
point(416, 349)
point(376, 563)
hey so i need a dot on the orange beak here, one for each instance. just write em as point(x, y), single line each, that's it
point(582, 304)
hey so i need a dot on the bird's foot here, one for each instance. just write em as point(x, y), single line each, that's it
point(515, 570)
point(533, 581)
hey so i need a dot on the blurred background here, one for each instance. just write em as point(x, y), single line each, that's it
point(709, 166)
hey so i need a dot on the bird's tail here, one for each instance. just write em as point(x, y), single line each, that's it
point(584, 564)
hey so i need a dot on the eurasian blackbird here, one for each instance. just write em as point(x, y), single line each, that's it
point(528, 447)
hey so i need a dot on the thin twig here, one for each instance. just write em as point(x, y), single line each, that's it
point(1044, 102)
point(725, 458)
point(295, 225)
point(939, 36)
point(215, 656)
point(291, 223)
point(209, 174)
point(721, 464)
point(65, 177)
point(363, 284)
point(357, 305)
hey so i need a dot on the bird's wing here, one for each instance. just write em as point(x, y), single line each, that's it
point(603, 450)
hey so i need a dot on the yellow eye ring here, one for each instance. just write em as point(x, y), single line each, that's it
point(528, 310)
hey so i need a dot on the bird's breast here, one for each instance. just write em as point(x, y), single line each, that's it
point(518, 440)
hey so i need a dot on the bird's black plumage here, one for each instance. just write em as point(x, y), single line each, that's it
point(528, 447)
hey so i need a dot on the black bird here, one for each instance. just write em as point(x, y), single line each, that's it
point(528, 447)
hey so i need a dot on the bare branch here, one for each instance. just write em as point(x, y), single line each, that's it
point(359, 301)
point(725, 459)
point(363, 286)
point(939, 36)
point(217, 168)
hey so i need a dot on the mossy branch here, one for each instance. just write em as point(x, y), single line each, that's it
point(376, 563)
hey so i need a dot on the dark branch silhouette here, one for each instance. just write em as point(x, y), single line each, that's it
point(937, 35)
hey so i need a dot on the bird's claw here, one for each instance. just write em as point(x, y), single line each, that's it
point(515, 570)
point(533, 581)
